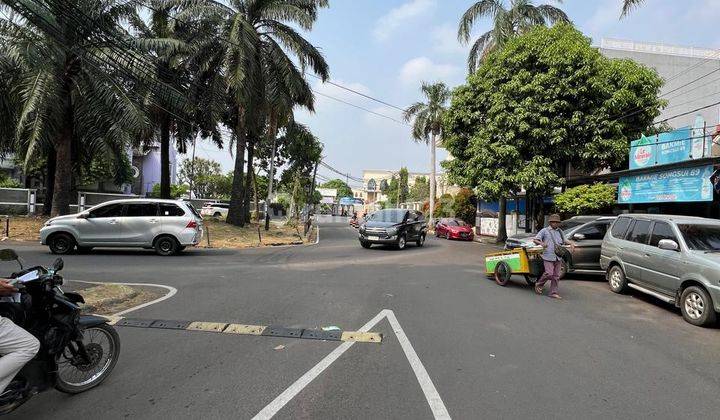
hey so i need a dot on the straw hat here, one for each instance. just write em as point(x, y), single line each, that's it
point(554, 218)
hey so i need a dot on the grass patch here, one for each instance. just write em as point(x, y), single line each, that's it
point(23, 228)
point(224, 235)
point(108, 299)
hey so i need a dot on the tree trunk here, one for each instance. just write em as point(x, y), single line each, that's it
point(272, 133)
point(249, 171)
point(432, 182)
point(235, 216)
point(502, 228)
point(64, 163)
point(49, 181)
point(165, 157)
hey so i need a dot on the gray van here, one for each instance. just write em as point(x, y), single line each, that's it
point(673, 258)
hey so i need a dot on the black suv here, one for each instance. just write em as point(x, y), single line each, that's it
point(393, 227)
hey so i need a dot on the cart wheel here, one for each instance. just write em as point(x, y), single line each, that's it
point(502, 273)
point(530, 280)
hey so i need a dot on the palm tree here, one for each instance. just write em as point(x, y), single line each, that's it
point(427, 126)
point(521, 16)
point(74, 85)
point(628, 5)
point(259, 36)
point(180, 51)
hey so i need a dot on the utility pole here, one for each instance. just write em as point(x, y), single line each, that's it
point(192, 168)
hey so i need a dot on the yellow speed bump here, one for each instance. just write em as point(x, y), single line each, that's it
point(207, 326)
point(112, 320)
point(244, 329)
point(362, 337)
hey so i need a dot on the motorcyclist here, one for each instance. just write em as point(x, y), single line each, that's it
point(17, 346)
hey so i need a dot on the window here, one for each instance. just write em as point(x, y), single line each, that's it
point(661, 230)
point(701, 237)
point(595, 231)
point(451, 222)
point(141, 210)
point(167, 209)
point(111, 210)
point(640, 232)
point(372, 185)
point(569, 224)
point(620, 227)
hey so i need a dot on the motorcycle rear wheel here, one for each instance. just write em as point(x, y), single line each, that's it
point(103, 346)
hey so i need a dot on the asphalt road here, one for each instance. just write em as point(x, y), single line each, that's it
point(488, 351)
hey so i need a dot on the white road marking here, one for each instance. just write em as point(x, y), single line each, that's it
point(431, 395)
point(433, 398)
point(171, 292)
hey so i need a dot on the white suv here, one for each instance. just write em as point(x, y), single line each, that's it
point(168, 226)
point(219, 210)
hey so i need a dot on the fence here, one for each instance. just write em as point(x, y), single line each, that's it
point(18, 201)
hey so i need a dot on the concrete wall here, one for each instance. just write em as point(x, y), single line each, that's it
point(671, 61)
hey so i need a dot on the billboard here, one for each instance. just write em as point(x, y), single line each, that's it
point(675, 146)
point(676, 185)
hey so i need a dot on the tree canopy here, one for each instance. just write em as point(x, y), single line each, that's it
point(547, 99)
point(586, 199)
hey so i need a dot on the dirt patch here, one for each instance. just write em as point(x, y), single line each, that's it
point(223, 235)
point(25, 229)
point(108, 299)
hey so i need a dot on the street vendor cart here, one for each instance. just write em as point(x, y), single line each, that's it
point(525, 261)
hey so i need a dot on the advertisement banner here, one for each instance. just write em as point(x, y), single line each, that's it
point(676, 146)
point(677, 185)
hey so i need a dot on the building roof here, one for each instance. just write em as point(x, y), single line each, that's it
point(659, 48)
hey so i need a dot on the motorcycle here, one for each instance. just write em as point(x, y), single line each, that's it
point(77, 352)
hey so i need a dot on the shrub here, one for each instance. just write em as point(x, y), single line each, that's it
point(586, 199)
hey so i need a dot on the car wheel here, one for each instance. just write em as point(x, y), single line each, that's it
point(697, 306)
point(421, 240)
point(530, 280)
point(502, 273)
point(616, 279)
point(61, 243)
point(401, 242)
point(166, 246)
point(365, 244)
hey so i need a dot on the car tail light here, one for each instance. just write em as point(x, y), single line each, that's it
point(192, 225)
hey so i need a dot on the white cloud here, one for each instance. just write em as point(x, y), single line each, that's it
point(445, 40)
point(397, 17)
point(424, 69)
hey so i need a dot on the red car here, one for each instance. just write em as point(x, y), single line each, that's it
point(454, 229)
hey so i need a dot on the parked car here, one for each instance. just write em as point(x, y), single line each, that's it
point(586, 233)
point(215, 210)
point(393, 227)
point(168, 226)
point(673, 258)
point(450, 228)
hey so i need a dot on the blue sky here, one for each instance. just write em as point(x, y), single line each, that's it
point(385, 48)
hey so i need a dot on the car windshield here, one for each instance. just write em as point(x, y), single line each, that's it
point(569, 224)
point(701, 237)
point(394, 216)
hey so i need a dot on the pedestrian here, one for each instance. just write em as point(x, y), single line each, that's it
point(552, 240)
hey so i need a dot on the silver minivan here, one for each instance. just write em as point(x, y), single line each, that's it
point(673, 258)
point(168, 226)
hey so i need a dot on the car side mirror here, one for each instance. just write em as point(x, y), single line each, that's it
point(668, 245)
point(578, 236)
point(83, 215)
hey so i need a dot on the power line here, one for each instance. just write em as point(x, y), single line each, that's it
point(358, 93)
point(361, 108)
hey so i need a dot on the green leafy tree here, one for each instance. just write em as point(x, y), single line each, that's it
point(585, 199)
point(464, 205)
point(203, 177)
point(343, 189)
point(176, 191)
point(507, 23)
point(403, 184)
point(427, 120)
point(546, 99)
point(420, 191)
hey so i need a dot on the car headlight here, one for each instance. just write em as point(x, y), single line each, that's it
point(391, 231)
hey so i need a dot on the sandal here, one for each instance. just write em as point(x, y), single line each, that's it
point(555, 296)
point(539, 290)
